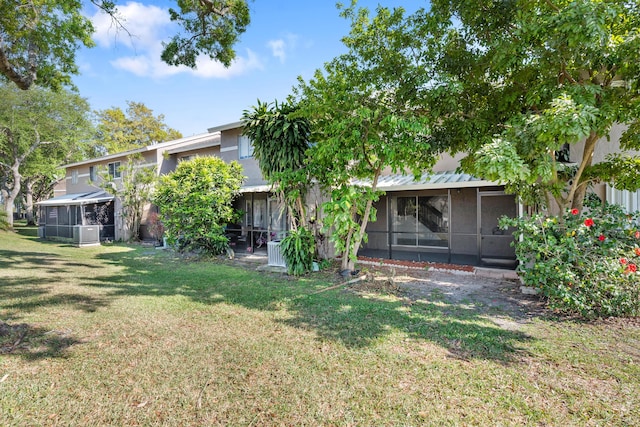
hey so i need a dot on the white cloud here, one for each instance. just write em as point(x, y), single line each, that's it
point(281, 47)
point(151, 65)
point(277, 49)
point(149, 25)
point(143, 26)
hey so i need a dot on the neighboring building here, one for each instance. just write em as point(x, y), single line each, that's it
point(444, 216)
point(85, 204)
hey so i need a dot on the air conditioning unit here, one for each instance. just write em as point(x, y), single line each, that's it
point(274, 255)
point(86, 235)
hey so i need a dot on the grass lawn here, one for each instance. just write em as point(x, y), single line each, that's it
point(124, 335)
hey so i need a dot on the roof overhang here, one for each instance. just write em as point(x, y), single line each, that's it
point(432, 181)
point(257, 189)
point(78, 199)
point(227, 126)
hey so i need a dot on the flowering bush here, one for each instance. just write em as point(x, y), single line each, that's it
point(583, 262)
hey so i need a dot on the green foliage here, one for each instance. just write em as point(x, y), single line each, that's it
point(39, 130)
point(343, 217)
point(118, 132)
point(623, 171)
point(208, 27)
point(40, 40)
point(280, 141)
point(582, 263)
point(195, 202)
point(531, 76)
point(298, 250)
point(363, 120)
point(135, 191)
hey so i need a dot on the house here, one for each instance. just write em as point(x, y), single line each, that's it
point(87, 213)
point(443, 216)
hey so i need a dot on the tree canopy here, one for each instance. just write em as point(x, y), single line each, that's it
point(363, 123)
point(39, 39)
point(120, 131)
point(39, 131)
point(514, 82)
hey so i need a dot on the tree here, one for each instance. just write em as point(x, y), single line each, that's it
point(39, 131)
point(39, 39)
point(195, 202)
point(514, 82)
point(135, 191)
point(118, 132)
point(362, 122)
point(280, 142)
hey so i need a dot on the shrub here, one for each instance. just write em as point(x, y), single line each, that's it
point(195, 202)
point(582, 262)
point(298, 250)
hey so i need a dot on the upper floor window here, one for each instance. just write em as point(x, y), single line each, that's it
point(114, 170)
point(93, 175)
point(245, 147)
point(74, 177)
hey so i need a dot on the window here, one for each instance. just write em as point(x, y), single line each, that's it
point(93, 176)
point(114, 170)
point(245, 147)
point(74, 177)
point(421, 221)
point(184, 158)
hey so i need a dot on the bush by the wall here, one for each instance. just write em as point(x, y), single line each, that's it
point(195, 202)
point(298, 250)
point(583, 262)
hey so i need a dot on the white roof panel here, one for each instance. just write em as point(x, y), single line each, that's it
point(78, 199)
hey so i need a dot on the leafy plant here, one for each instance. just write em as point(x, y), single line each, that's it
point(135, 191)
point(582, 262)
point(298, 250)
point(195, 202)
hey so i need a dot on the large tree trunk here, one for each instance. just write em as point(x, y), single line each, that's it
point(28, 201)
point(11, 193)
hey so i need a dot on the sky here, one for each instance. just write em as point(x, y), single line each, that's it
point(285, 39)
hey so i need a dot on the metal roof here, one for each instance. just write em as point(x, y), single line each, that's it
point(428, 181)
point(78, 199)
point(257, 189)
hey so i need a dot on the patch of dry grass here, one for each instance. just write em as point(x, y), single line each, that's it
point(119, 335)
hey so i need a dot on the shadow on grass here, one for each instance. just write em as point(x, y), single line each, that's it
point(33, 343)
point(336, 315)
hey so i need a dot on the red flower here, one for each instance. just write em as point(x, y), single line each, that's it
point(588, 222)
point(575, 211)
point(623, 261)
point(601, 237)
point(637, 250)
point(637, 234)
point(632, 268)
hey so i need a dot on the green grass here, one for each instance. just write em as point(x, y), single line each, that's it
point(123, 335)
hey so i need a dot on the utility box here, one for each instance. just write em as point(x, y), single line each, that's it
point(274, 255)
point(86, 235)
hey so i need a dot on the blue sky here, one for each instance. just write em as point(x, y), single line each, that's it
point(286, 39)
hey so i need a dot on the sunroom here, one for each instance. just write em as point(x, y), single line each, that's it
point(84, 218)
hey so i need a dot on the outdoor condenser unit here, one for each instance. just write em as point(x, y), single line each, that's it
point(274, 255)
point(86, 235)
